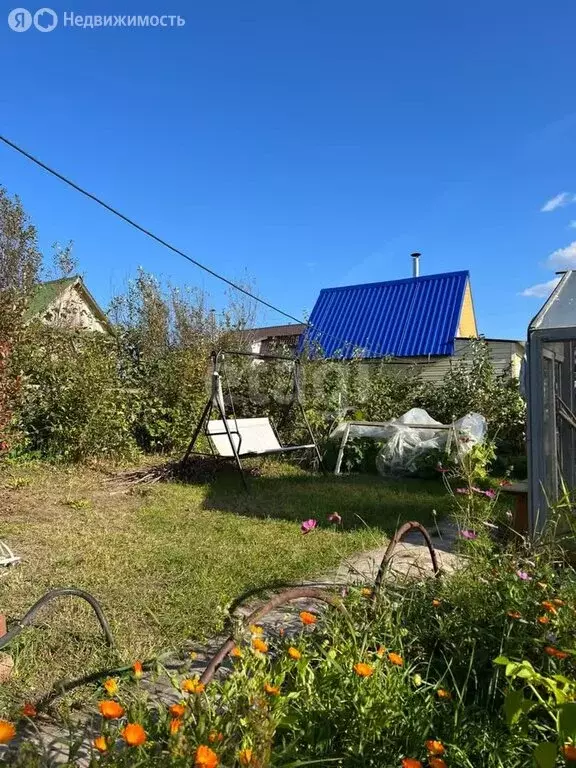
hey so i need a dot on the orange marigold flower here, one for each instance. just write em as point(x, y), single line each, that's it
point(236, 652)
point(7, 731)
point(549, 606)
point(177, 710)
point(307, 618)
point(137, 669)
point(110, 710)
point(100, 744)
point(436, 602)
point(192, 685)
point(569, 751)
point(272, 690)
point(435, 747)
point(245, 756)
point(366, 592)
point(175, 725)
point(205, 758)
point(555, 652)
point(256, 630)
point(29, 710)
point(134, 735)
point(111, 686)
point(259, 645)
point(514, 614)
point(395, 658)
point(543, 619)
point(294, 653)
point(442, 693)
point(214, 736)
point(410, 762)
point(380, 651)
point(436, 762)
point(363, 670)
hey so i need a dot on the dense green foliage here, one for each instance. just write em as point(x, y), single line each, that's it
point(379, 391)
point(71, 395)
point(86, 395)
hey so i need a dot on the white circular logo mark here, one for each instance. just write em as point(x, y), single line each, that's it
point(19, 20)
point(45, 20)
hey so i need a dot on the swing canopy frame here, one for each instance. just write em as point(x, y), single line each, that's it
point(237, 438)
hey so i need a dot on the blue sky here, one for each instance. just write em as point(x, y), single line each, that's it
point(306, 144)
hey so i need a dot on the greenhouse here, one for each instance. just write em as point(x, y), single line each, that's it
point(551, 429)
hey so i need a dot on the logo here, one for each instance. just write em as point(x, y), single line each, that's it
point(19, 20)
point(45, 20)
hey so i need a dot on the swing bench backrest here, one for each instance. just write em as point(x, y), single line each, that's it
point(250, 436)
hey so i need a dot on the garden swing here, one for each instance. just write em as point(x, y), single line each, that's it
point(238, 438)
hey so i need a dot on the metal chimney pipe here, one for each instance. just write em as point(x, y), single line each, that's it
point(416, 264)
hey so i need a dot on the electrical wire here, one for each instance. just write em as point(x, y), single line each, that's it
point(347, 343)
point(145, 231)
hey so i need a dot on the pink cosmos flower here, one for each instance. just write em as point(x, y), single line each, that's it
point(523, 575)
point(334, 518)
point(468, 534)
point(308, 525)
point(490, 494)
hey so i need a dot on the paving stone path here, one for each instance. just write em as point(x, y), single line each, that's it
point(411, 560)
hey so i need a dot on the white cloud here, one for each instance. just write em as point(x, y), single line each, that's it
point(541, 290)
point(562, 199)
point(564, 258)
point(572, 224)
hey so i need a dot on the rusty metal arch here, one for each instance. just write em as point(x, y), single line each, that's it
point(412, 525)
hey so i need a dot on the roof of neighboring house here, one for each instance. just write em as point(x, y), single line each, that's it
point(45, 294)
point(272, 331)
point(399, 318)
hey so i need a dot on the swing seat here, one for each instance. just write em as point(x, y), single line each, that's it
point(251, 437)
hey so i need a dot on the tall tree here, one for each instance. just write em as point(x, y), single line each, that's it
point(20, 258)
point(20, 262)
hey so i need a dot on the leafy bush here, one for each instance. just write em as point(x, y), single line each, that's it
point(472, 385)
point(73, 404)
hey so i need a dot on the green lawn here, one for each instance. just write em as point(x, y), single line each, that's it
point(165, 561)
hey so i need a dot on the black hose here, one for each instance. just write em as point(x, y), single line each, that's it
point(71, 591)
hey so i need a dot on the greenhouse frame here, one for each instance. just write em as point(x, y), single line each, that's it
point(551, 422)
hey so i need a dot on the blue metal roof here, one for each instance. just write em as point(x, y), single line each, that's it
point(400, 318)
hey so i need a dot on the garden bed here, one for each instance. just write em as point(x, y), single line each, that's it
point(474, 669)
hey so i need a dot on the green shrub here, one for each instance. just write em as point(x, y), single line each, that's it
point(73, 405)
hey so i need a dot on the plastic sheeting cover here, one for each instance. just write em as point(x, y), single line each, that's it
point(405, 444)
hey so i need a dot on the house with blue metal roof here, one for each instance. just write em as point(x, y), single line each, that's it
point(424, 320)
point(414, 317)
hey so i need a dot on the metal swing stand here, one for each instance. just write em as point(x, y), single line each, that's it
point(238, 438)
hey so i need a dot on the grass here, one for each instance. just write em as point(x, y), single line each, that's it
point(165, 561)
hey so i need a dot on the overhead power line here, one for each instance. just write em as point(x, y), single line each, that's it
point(140, 228)
point(146, 231)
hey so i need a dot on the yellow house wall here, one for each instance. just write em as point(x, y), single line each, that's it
point(467, 327)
